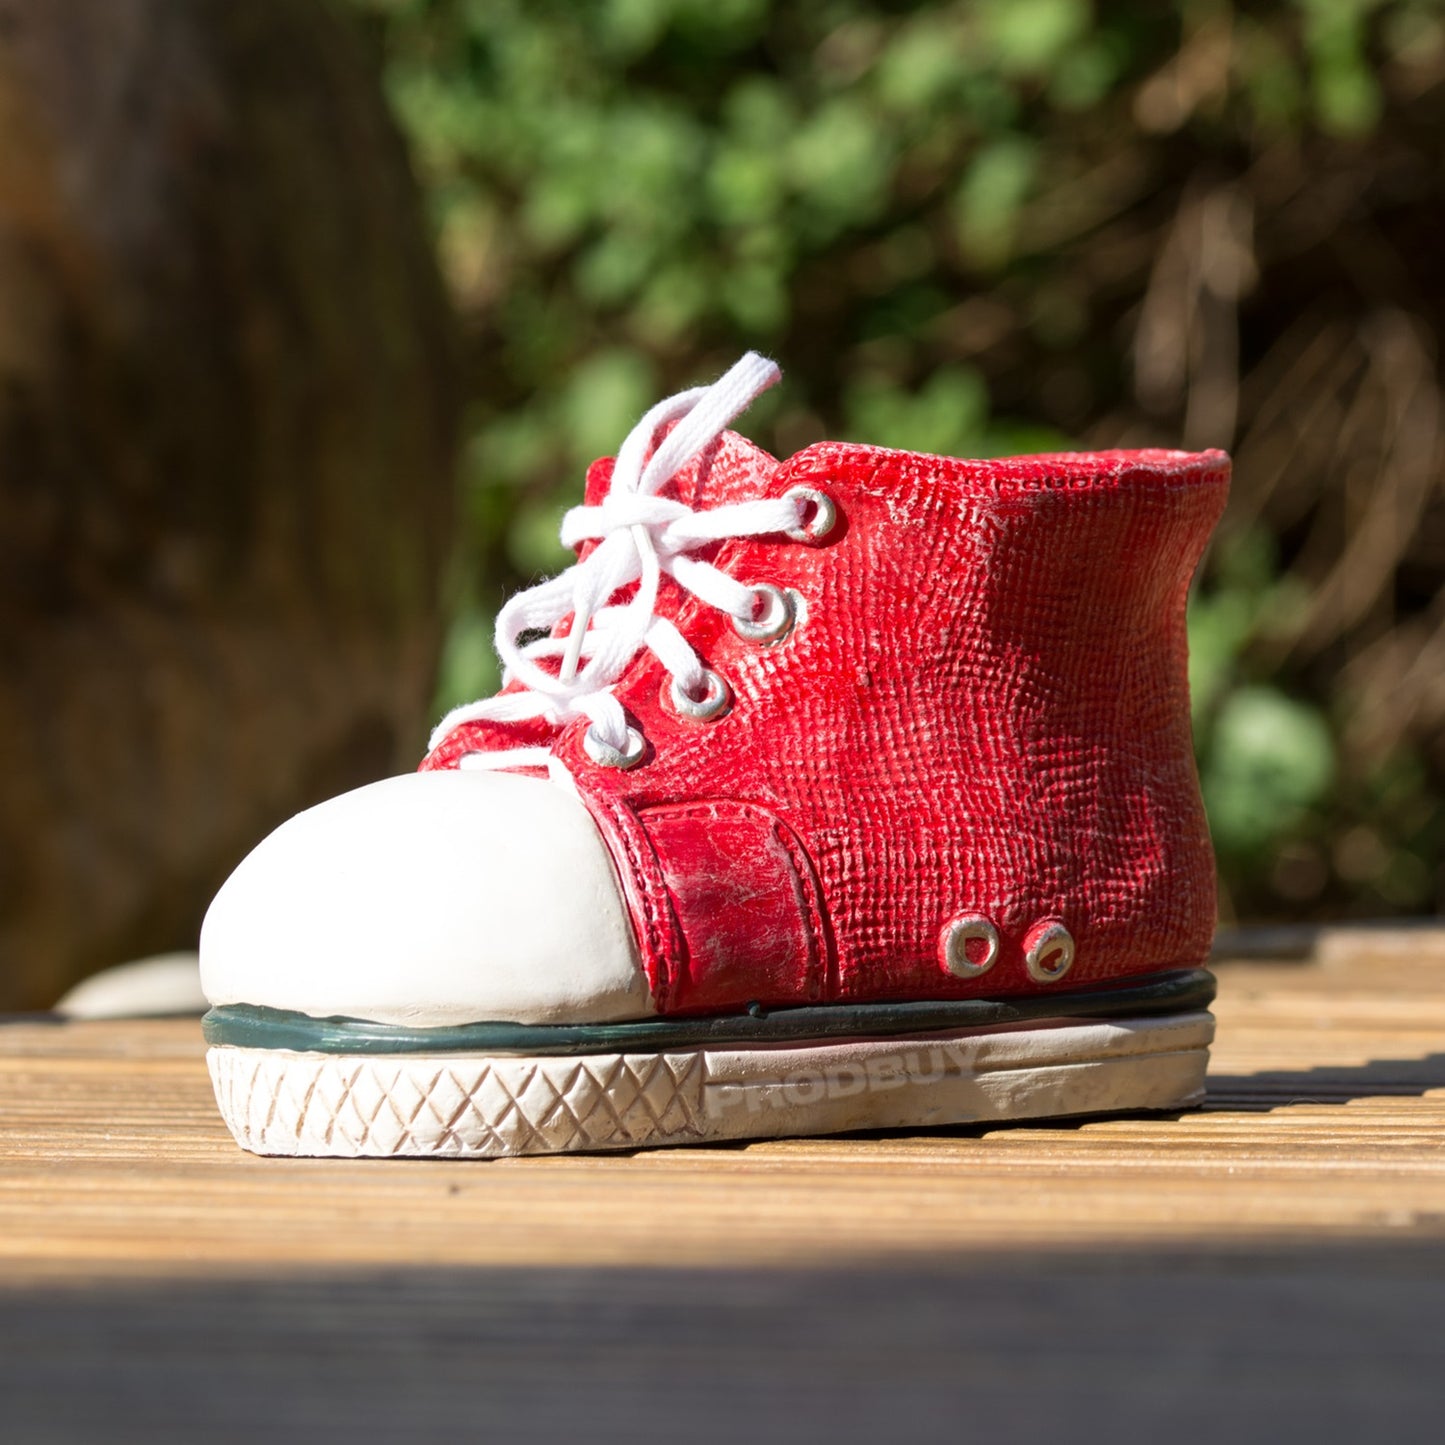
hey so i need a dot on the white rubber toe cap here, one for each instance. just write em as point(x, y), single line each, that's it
point(430, 899)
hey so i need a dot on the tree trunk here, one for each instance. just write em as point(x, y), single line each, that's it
point(227, 408)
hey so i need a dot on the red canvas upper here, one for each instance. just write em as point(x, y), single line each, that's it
point(981, 710)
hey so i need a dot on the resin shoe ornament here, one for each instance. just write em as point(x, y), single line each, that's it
point(849, 791)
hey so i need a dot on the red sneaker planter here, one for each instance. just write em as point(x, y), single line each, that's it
point(845, 792)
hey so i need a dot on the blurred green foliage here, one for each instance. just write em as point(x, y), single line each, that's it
point(944, 219)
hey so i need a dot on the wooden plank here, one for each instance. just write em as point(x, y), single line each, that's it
point(112, 1157)
point(1278, 1257)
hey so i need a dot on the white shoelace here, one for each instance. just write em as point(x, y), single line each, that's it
point(640, 537)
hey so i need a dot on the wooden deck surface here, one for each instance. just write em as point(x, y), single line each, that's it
point(1271, 1267)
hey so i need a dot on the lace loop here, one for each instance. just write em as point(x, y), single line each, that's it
point(640, 537)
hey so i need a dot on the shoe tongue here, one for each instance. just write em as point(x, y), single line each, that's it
point(731, 469)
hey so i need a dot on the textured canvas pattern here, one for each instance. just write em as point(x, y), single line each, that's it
point(981, 710)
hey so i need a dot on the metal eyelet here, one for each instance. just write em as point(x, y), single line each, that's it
point(954, 946)
point(824, 514)
point(717, 697)
point(1048, 952)
point(772, 617)
point(606, 756)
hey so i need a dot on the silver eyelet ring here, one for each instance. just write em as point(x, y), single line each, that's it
point(772, 618)
point(824, 517)
point(953, 946)
point(717, 697)
point(1048, 941)
point(606, 756)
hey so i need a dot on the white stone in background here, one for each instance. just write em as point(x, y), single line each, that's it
point(169, 983)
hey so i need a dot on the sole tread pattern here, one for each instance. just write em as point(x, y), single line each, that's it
point(279, 1102)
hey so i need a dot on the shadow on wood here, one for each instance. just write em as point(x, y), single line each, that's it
point(1326, 1344)
point(1380, 1078)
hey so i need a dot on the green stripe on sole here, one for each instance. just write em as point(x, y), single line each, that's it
point(252, 1027)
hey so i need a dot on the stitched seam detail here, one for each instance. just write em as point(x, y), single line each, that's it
point(807, 892)
point(663, 936)
point(805, 885)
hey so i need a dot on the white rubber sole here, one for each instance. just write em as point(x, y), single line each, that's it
point(492, 1106)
